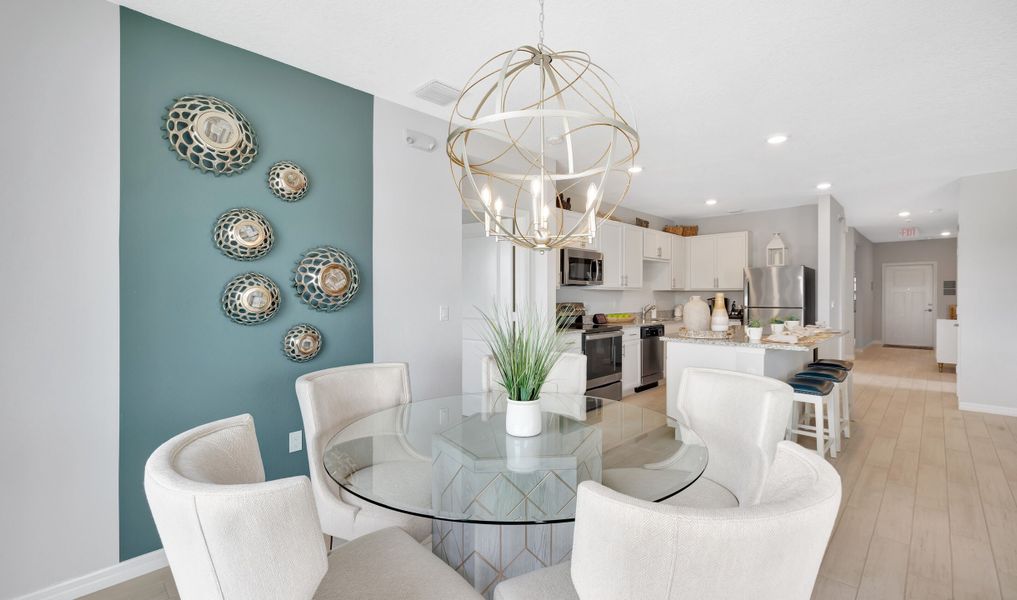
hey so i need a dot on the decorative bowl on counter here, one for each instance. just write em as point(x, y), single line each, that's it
point(621, 318)
point(685, 332)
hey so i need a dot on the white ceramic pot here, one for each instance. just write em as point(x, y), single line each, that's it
point(755, 333)
point(719, 321)
point(523, 419)
point(790, 325)
point(696, 314)
point(522, 454)
point(776, 328)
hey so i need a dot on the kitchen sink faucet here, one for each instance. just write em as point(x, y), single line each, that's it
point(647, 309)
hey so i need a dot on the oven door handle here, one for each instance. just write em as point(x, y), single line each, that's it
point(603, 336)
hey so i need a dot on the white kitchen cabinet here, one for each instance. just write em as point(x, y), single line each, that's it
point(572, 342)
point(947, 331)
point(570, 220)
point(656, 245)
point(732, 258)
point(622, 247)
point(631, 355)
point(679, 262)
point(609, 241)
point(718, 261)
point(632, 257)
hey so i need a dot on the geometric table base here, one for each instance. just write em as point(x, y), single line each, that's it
point(487, 554)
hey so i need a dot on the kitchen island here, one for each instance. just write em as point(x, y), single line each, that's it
point(737, 353)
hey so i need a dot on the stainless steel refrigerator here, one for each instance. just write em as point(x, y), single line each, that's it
point(780, 292)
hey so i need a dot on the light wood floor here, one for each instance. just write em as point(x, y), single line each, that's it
point(928, 509)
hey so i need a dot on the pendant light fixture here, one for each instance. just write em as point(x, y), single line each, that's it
point(535, 131)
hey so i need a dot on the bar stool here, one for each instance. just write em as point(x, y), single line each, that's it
point(816, 393)
point(847, 389)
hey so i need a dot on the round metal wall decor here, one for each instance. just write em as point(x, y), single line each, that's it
point(287, 181)
point(243, 234)
point(326, 278)
point(302, 343)
point(250, 298)
point(210, 134)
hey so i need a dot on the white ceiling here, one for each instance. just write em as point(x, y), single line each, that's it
point(889, 100)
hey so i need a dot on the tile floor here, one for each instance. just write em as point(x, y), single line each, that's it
point(928, 508)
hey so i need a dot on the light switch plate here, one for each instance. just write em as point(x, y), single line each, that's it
point(296, 441)
point(443, 312)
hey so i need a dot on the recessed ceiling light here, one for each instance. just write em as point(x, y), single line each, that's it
point(824, 186)
point(904, 213)
point(777, 138)
point(944, 233)
point(711, 202)
point(635, 169)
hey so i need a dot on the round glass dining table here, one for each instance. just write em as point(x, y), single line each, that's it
point(502, 505)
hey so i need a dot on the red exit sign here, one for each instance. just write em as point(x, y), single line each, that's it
point(907, 233)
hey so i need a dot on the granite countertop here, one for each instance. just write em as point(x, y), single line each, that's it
point(741, 340)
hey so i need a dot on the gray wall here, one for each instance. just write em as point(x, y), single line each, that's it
point(942, 252)
point(866, 286)
point(797, 226)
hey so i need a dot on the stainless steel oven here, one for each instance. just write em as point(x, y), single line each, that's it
point(581, 267)
point(603, 350)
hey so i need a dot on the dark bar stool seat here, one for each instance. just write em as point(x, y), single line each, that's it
point(833, 363)
point(822, 373)
point(817, 395)
point(812, 387)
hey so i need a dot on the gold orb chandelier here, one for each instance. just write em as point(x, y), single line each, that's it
point(534, 133)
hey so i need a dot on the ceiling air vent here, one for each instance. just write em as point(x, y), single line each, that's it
point(435, 91)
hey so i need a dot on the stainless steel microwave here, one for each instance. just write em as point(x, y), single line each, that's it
point(581, 267)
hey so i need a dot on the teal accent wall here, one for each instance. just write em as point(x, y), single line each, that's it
point(183, 362)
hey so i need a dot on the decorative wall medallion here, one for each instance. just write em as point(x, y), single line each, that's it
point(302, 343)
point(250, 298)
point(326, 278)
point(243, 234)
point(287, 181)
point(210, 134)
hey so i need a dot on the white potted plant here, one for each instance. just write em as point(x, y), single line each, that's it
point(754, 331)
point(776, 326)
point(791, 322)
point(524, 351)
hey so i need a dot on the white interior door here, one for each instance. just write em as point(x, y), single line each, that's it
point(909, 304)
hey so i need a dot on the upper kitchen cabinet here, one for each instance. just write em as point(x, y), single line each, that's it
point(656, 245)
point(679, 262)
point(632, 267)
point(622, 247)
point(717, 262)
point(570, 219)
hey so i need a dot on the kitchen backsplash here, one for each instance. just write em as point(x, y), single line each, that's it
point(633, 301)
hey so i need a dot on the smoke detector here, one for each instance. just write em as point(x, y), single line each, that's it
point(435, 91)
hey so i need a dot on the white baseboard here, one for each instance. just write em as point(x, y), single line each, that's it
point(101, 579)
point(992, 409)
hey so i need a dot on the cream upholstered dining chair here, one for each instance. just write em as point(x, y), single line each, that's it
point(567, 376)
point(740, 418)
point(628, 548)
point(330, 400)
point(229, 534)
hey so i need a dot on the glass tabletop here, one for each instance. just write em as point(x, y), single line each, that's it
point(450, 458)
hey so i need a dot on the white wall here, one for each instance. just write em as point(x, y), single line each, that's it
point(986, 289)
point(832, 293)
point(59, 361)
point(417, 253)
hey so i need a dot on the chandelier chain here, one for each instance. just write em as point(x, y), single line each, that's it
point(540, 36)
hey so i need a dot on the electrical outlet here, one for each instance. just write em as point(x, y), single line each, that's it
point(296, 441)
point(443, 312)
